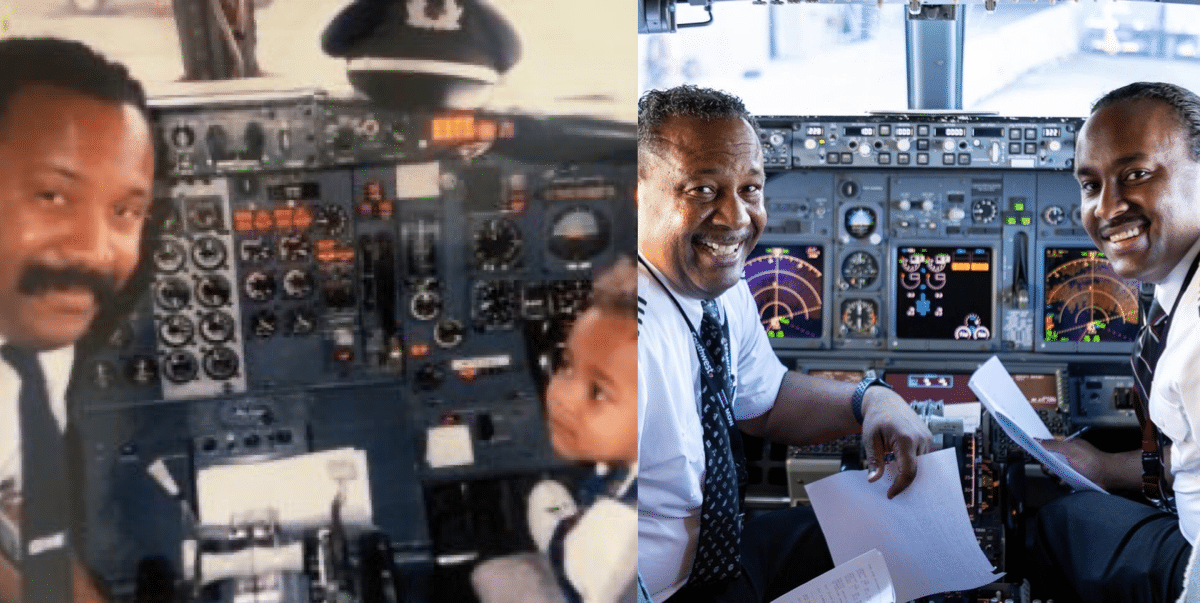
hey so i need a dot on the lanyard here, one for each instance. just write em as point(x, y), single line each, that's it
point(707, 371)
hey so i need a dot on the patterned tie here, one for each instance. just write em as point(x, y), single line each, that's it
point(45, 497)
point(718, 553)
point(1149, 347)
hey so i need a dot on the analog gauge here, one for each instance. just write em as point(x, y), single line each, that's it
point(220, 363)
point(297, 284)
point(260, 286)
point(860, 270)
point(860, 318)
point(217, 327)
point(331, 220)
point(301, 321)
point(172, 293)
point(264, 323)
point(180, 366)
point(426, 304)
point(578, 234)
point(448, 333)
point(1054, 215)
point(497, 245)
point(141, 370)
point(213, 290)
point(860, 222)
point(495, 304)
point(208, 253)
point(294, 247)
point(983, 211)
point(256, 250)
point(169, 256)
point(176, 330)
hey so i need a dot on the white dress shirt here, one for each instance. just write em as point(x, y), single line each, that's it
point(1175, 393)
point(670, 438)
point(56, 364)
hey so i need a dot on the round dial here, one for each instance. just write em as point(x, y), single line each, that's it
point(176, 330)
point(297, 284)
point(260, 286)
point(213, 290)
point(448, 333)
point(497, 245)
point(217, 327)
point(495, 304)
point(169, 256)
point(983, 211)
point(860, 222)
point(208, 253)
point(426, 305)
point(220, 363)
point(172, 294)
point(180, 366)
point(578, 234)
point(264, 323)
point(860, 318)
point(860, 270)
point(1054, 215)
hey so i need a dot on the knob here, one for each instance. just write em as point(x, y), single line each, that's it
point(926, 205)
point(904, 204)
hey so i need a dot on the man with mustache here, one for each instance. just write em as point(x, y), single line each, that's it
point(706, 368)
point(76, 175)
point(1138, 166)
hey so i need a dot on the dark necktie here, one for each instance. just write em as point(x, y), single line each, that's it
point(718, 552)
point(1149, 347)
point(45, 497)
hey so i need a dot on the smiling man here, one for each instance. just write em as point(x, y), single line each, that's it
point(706, 368)
point(76, 176)
point(1138, 165)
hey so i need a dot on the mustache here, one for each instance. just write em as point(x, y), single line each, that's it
point(39, 278)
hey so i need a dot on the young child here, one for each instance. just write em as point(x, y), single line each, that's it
point(589, 549)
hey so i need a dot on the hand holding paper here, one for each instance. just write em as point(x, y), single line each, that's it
point(1016, 416)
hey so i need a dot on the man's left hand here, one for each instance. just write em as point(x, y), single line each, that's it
point(890, 427)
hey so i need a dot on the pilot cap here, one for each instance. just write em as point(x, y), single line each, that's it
point(423, 53)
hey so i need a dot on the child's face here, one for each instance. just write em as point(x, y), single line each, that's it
point(593, 399)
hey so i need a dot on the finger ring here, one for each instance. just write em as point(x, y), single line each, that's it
point(889, 457)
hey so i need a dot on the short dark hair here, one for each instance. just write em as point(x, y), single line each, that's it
point(65, 64)
point(1184, 101)
point(615, 290)
point(655, 107)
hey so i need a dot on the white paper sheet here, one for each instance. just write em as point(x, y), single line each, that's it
point(299, 490)
point(864, 579)
point(1016, 416)
point(923, 533)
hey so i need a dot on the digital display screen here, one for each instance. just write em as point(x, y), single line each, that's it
point(787, 281)
point(944, 293)
point(1041, 389)
point(947, 387)
point(1085, 300)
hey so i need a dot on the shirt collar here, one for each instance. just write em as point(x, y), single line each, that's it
point(691, 305)
point(1166, 291)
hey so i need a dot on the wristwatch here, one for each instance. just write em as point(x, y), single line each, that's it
point(860, 391)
